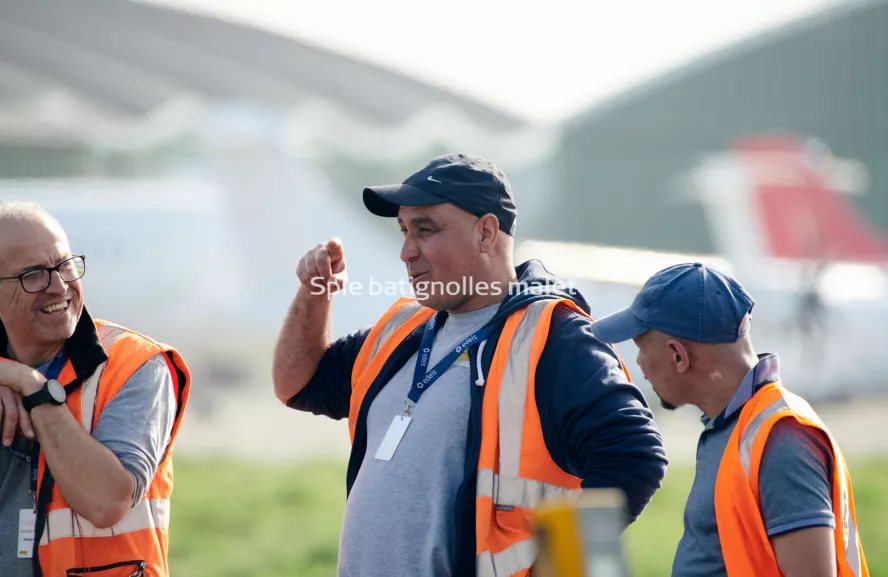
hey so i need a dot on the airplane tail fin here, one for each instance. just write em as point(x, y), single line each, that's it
point(797, 194)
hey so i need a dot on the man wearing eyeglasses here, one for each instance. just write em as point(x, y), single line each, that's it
point(89, 412)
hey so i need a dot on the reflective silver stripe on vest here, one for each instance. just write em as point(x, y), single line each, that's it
point(519, 556)
point(108, 333)
point(529, 493)
point(391, 325)
point(147, 514)
point(787, 400)
point(88, 392)
point(751, 431)
point(508, 489)
point(512, 397)
point(849, 529)
point(801, 407)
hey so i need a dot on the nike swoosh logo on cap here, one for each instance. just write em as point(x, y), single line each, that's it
point(429, 178)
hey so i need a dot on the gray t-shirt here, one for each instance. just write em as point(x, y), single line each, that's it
point(135, 425)
point(399, 518)
point(794, 484)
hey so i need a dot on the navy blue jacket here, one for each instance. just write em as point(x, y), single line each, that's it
point(596, 424)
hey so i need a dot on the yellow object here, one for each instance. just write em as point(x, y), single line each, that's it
point(581, 537)
point(558, 534)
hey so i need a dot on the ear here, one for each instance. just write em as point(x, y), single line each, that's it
point(488, 230)
point(680, 357)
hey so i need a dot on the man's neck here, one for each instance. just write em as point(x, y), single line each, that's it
point(487, 293)
point(717, 399)
point(33, 357)
point(721, 386)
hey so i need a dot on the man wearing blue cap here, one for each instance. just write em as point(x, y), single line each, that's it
point(470, 403)
point(772, 495)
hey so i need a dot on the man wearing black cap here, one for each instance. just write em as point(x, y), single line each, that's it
point(471, 402)
point(771, 495)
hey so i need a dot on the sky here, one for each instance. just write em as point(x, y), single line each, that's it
point(543, 61)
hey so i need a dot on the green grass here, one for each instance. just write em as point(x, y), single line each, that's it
point(233, 518)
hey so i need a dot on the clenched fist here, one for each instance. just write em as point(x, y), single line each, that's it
point(322, 269)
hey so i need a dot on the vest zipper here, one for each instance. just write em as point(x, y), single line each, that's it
point(139, 570)
point(473, 450)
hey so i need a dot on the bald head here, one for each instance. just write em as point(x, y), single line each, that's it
point(24, 211)
point(17, 215)
point(37, 321)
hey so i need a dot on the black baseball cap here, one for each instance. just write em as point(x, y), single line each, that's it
point(472, 183)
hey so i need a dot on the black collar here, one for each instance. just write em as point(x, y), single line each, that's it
point(83, 348)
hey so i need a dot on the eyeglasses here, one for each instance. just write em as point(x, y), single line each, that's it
point(38, 279)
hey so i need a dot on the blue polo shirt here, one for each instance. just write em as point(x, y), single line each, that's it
point(794, 480)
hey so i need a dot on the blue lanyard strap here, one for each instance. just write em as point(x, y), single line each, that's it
point(55, 368)
point(423, 380)
point(33, 459)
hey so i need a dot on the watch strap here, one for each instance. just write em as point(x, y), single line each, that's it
point(38, 398)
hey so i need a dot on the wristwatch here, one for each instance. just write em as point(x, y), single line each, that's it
point(52, 392)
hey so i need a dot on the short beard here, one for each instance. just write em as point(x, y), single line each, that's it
point(665, 404)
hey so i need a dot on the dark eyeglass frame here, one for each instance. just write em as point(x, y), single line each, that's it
point(49, 270)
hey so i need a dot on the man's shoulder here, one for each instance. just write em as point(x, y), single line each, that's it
point(570, 337)
point(569, 323)
point(127, 345)
point(566, 310)
point(152, 376)
point(795, 478)
point(795, 450)
point(136, 358)
point(789, 438)
point(157, 364)
point(110, 331)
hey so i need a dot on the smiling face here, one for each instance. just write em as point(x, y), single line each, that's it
point(37, 324)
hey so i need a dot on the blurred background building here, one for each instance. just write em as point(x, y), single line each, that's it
point(194, 160)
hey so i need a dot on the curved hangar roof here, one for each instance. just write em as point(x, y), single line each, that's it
point(823, 77)
point(125, 59)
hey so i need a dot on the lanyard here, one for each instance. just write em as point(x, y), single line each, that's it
point(423, 380)
point(34, 458)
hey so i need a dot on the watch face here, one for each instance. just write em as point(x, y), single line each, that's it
point(56, 391)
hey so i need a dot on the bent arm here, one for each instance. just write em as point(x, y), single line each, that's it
point(596, 424)
point(328, 392)
point(92, 479)
point(104, 474)
point(303, 340)
point(136, 425)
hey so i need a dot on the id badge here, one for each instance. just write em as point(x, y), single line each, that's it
point(27, 522)
point(393, 437)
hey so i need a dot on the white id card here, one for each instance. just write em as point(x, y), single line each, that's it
point(392, 437)
point(27, 522)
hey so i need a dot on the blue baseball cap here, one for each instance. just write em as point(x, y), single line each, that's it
point(472, 183)
point(690, 301)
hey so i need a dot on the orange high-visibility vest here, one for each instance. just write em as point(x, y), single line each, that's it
point(744, 541)
point(515, 470)
point(138, 544)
